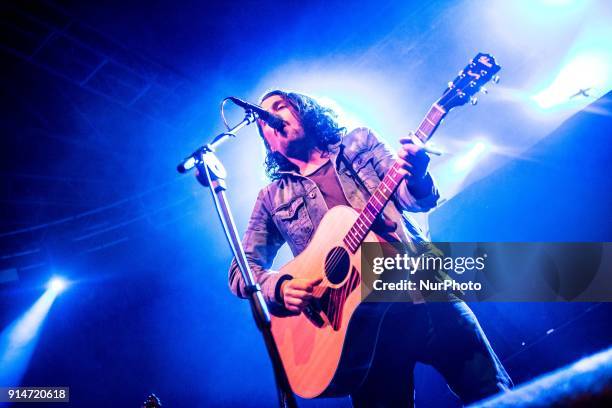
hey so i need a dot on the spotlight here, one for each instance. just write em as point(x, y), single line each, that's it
point(57, 284)
point(586, 72)
point(453, 173)
point(19, 339)
point(469, 159)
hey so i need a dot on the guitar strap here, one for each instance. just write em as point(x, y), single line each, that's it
point(351, 170)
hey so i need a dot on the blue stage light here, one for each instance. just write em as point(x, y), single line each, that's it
point(468, 160)
point(582, 78)
point(453, 173)
point(18, 340)
point(57, 284)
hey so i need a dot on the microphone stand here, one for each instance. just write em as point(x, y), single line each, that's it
point(211, 173)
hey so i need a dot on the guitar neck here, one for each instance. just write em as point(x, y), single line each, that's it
point(389, 184)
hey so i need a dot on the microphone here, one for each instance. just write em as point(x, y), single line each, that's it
point(274, 121)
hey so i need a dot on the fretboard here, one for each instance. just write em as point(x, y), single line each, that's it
point(388, 185)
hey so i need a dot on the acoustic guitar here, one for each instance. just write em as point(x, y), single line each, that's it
point(327, 349)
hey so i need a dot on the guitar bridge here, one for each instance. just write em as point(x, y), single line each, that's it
point(314, 316)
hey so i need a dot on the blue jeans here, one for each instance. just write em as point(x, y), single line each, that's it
point(445, 335)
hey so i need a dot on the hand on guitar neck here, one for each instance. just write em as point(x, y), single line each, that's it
point(414, 161)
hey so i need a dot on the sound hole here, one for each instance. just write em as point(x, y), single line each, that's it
point(337, 265)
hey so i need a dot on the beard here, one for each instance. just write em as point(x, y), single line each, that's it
point(296, 142)
point(298, 145)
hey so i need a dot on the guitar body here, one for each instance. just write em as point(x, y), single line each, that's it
point(313, 348)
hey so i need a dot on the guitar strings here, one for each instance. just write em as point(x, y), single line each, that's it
point(335, 258)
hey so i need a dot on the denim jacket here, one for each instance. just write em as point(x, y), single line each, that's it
point(290, 208)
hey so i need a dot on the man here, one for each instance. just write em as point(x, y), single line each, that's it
point(314, 166)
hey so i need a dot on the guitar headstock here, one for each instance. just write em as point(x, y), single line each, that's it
point(471, 79)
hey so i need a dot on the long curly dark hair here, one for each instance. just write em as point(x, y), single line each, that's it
point(318, 122)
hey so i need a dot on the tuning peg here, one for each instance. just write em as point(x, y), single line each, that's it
point(450, 85)
point(473, 100)
point(495, 79)
point(484, 90)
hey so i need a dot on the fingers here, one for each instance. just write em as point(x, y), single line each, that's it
point(407, 139)
point(306, 284)
point(297, 293)
point(294, 309)
point(405, 161)
point(296, 301)
point(409, 149)
point(413, 156)
point(404, 169)
point(413, 160)
point(315, 281)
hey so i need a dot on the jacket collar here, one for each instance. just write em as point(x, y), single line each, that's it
point(335, 153)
